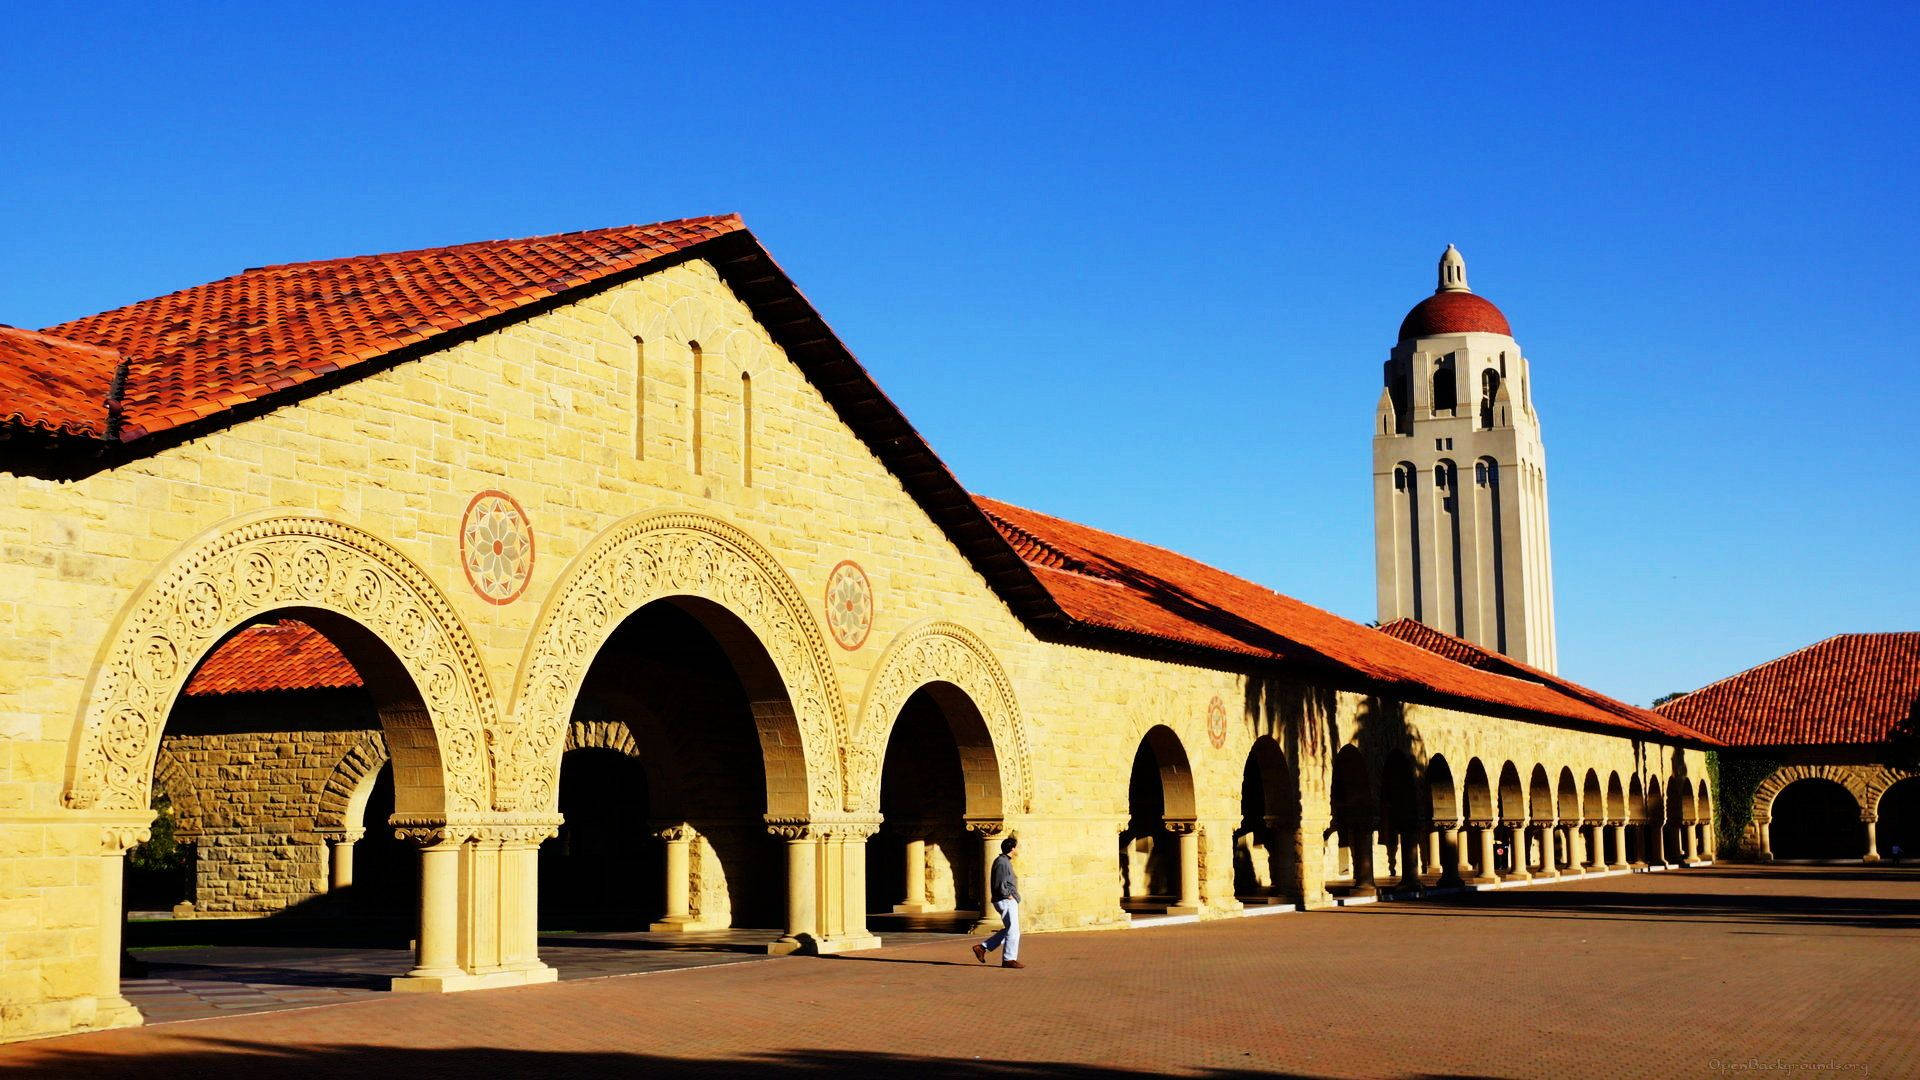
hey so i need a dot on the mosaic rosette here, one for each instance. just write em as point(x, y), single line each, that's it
point(496, 547)
point(849, 605)
point(1217, 723)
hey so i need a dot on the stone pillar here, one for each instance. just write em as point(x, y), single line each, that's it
point(1517, 843)
point(990, 831)
point(1870, 820)
point(1549, 850)
point(1764, 827)
point(437, 938)
point(1188, 835)
point(1433, 849)
point(803, 932)
point(519, 894)
point(340, 857)
point(111, 1008)
point(1360, 843)
point(1485, 873)
point(916, 879)
point(852, 836)
point(678, 914)
point(1277, 846)
point(1596, 847)
point(1701, 851)
point(1618, 829)
point(1446, 847)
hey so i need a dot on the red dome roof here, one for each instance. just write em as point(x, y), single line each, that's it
point(1453, 313)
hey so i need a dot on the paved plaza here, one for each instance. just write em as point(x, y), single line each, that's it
point(1698, 972)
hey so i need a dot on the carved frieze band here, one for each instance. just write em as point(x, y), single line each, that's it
point(640, 561)
point(939, 652)
point(247, 572)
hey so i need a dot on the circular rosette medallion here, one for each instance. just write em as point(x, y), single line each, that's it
point(849, 605)
point(496, 547)
point(1217, 723)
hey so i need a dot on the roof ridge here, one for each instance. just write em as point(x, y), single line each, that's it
point(438, 249)
point(1743, 672)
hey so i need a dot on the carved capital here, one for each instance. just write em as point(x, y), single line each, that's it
point(518, 829)
point(342, 836)
point(791, 828)
point(1480, 823)
point(116, 839)
point(1514, 823)
point(1867, 817)
point(671, 833)
point(986, 827)
point(1445, 826)
point(1180, 828)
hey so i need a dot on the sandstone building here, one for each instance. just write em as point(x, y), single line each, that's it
point(595, 562)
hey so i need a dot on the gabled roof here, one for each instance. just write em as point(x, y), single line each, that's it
point(53, 386)
point(1461, 651)
point(205, 350)
point(285, 655)
point(1110, 585)
point(1848, 689)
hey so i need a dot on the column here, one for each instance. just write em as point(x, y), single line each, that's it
point(1619, 830)
point(1446, 848)
point(802, 931)
point(519, 887)
point(1683, 842)
point(1549, 850)
point(916, 878)
point(437, 945)
point(1360, 843)
point(112, 1009)
point(1517, 843)
point(1485, 873)
point(989, 831)
point(1764, 826)
point(1870, 820)
point(853, 837)
point(340, 850)
point(1434, 865)
point(678, 914)
point(1189, 839)
point(1596, 847)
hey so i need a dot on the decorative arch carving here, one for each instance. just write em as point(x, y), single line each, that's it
point(602, 735)
point(939, 652)
point(638, 561)
point(182, 796)
point(344, 794)
point(1852, 778)
point(240, 574)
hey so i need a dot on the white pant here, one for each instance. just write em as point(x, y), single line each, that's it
point(1009, 932)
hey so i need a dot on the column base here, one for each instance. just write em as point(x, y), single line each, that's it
point(114, 1012)
point(1869, 860)
point(675, 924)
point(1619, 866)
point(1518, 876)
point(1184, 909)
point(912, 909)
point(1484, 879)
point(808, 945)
point(454, 983)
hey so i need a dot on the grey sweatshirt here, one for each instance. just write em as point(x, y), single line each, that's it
point(1004, 883)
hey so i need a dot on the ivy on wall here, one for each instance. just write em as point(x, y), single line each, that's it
point(1734, 778)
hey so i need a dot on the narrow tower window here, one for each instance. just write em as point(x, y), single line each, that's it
point(1446, 396)
point(1489, 388)
point(746, 429)
point(695, 418)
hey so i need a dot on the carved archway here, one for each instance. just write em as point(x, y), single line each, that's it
point(249, 570)
point(343, 799)
point(939, 652)
point(1848, 777)
point(662, 556)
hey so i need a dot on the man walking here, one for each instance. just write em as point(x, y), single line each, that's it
point(1006, 898)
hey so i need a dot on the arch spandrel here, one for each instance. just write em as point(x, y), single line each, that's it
point(660, 556)
point(1851, 777)
point(240, 573)
point(935, 652)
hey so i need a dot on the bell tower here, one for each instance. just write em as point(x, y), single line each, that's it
point(1460, 478)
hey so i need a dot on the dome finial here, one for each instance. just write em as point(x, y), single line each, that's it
point(1453, 271)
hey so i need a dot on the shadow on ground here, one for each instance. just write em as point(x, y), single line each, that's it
point(216, 1059)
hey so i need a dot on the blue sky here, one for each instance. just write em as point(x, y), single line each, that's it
point(1133, 264)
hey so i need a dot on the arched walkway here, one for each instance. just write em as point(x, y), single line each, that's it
point(1443, 856)
point(1482, 818)
point(1514, 817)
point(1816, 818)
point(1355, 816)
point(1899, 821)
point(1160, 847)
point(1263, 849)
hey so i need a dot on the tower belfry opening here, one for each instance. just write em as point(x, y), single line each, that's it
point(1471, 558)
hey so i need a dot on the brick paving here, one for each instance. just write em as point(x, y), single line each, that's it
point(1725, 969)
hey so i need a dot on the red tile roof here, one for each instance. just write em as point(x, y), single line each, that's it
point(1848, 689)
point(1474, 655)
point(1453, 313)
point(286, 655)
point(56, 386)
point(1110, 583)
point(204, 350)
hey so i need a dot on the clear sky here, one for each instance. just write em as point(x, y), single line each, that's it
point(1138, 265)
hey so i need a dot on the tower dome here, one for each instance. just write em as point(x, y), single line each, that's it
point(1453, 308)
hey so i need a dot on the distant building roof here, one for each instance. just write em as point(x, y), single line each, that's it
point(284, 655)
point(1848, 689)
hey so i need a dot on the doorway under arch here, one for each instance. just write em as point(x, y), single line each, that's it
point(1264, 855)
point(926, 869)
point(1159, 849)
point(1816, 818)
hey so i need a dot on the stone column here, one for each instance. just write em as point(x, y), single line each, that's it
point(1618, 828)
point(1764, 827)
point(1446, 847)
point(1549, 850)
point(437, 941)
point(1278, 845)
point(1870, 820)
point(519, 895)
point(111, 1008)
point(1360, 844)
point(916, 894)
point(1189, 838)
point(852, 836)
point(340, 856)
point(990, 831)
point(1434, 865)
point(1517, 843)
point(1485, 873)
point(803, 932)
point(1596, 847)
point(678, 914)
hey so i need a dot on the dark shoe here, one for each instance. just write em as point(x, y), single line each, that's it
point(1012, 964)
point(979, 952)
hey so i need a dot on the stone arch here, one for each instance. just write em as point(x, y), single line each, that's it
point(930, 654)
point(1443, 800)
point(377, 605)
point(1175, 772)
point(1477, 793)
point(1540, 804)
point(1616, 811)
point(1777, 781)
point(1568, 796)
point(1593, 803)
point(1512, 795)
point(181, 794)
point(601, 735)
point(343, 798)
point(1636, 801)
point(676, 555)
